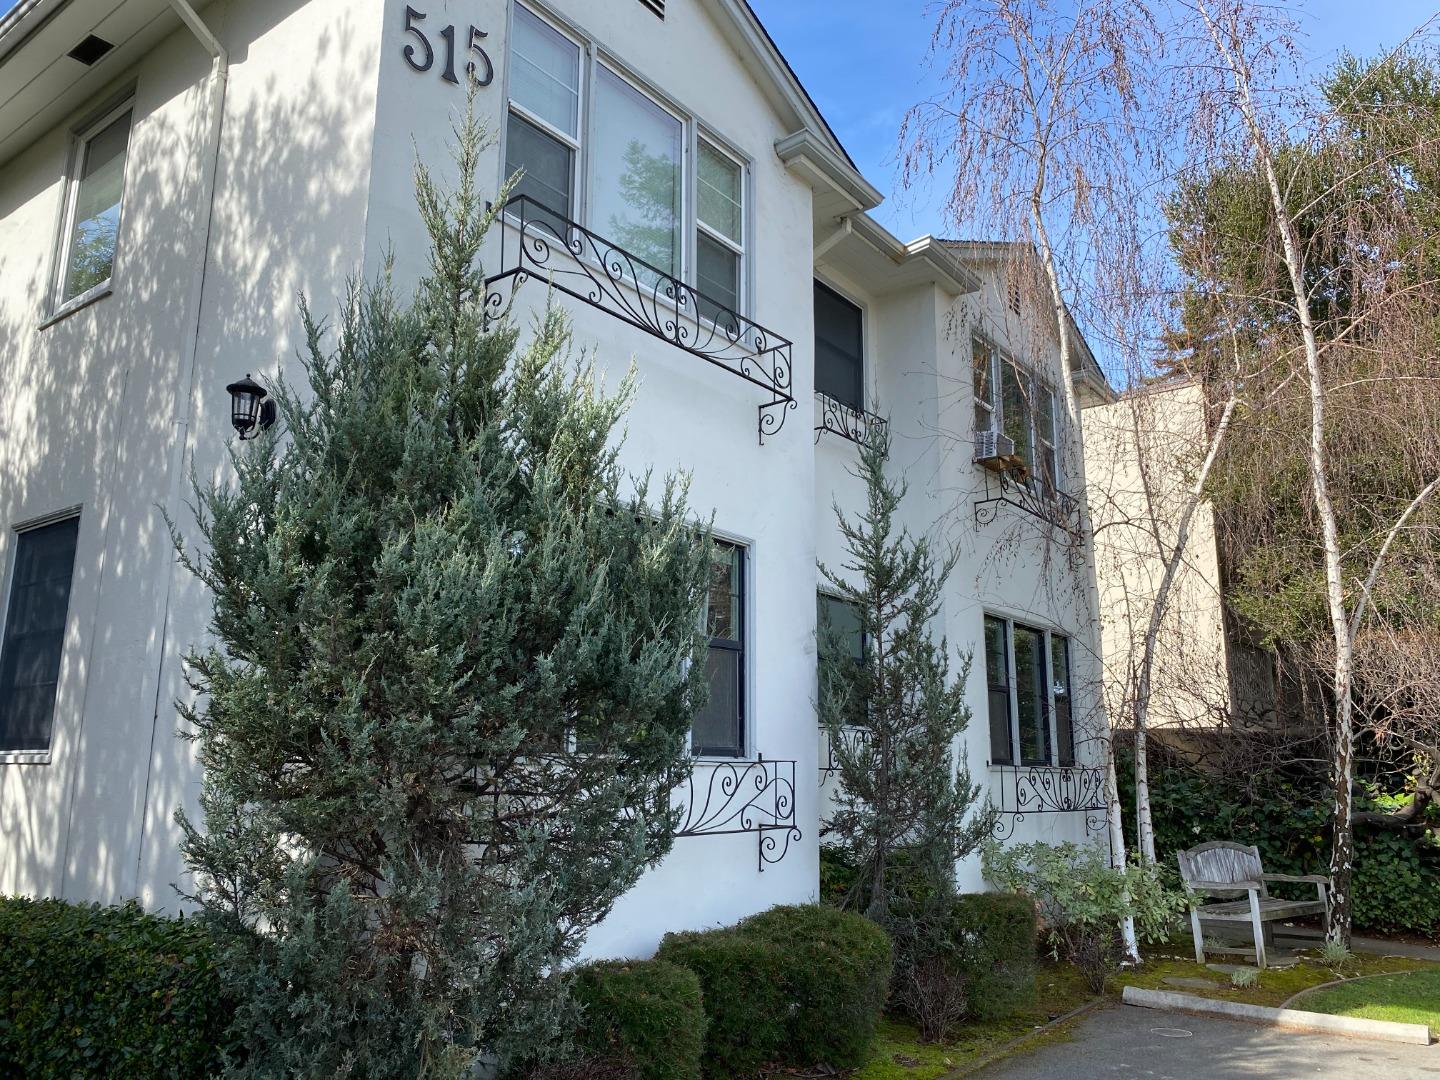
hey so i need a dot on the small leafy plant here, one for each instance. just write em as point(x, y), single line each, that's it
point(1082, 900)
point(1335, 954)
point(1244, 978)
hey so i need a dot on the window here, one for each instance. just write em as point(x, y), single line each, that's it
point(838, 623)
point(1024, 411)
point(92, 208)
point(719, 728)
point(1060, 694)
point(1027, 673)
point(34, 635)
point(542, 136)
point(719, 231)
point(997, 678)
point(839, 348)
point(573, 114)
point(983, 358)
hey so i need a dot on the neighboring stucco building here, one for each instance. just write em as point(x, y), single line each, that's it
point(171, 181)
point(1142, 454)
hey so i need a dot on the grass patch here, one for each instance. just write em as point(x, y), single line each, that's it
point(1274, 985)
point(1413, 998)
point(900, 1055)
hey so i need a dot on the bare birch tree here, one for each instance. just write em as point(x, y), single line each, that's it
point(1368, 282)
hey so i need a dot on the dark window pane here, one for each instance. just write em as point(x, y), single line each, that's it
point(35, 634)
point(1031, 684)
point(718, 280)
point(719, 728)
point(997, 677)
point(1064, 721)
point(839, 349)
point(546, 162)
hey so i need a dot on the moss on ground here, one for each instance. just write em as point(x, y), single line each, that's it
point(1412, 998)
point(1275, 985)
point(900, 1055)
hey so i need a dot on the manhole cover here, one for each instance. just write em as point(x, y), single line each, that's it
point(1171, 1033)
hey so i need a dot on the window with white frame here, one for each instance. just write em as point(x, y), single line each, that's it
point(1014, 401)
point(542, 134)
point(92, 208)
point(580, 125)
point(839, 626)
point(1028, 678)
point(718, 729)
point(34, 633)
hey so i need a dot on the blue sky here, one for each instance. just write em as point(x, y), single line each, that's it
point(864, 63)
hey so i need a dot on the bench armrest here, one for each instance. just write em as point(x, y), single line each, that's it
point(1223, 886)
point(1318, 879)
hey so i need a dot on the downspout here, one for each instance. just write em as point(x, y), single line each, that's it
point(189, 352)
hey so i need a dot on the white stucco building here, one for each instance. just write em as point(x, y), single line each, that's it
point(172, 179)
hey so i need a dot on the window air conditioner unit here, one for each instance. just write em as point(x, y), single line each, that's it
point(994, 450)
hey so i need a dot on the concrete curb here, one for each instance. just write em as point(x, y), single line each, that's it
point(1294, 1019)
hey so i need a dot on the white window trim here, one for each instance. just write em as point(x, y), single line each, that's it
point(35, 757)
point(748, 726)
point(693, 128)
point(698, 134)
point(1049, 634)
point(575, 142)
point(79, 140)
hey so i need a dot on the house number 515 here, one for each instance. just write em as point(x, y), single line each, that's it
point(422, 57)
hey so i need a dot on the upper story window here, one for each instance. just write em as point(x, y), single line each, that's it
point(92, 208)
point(625, 166)
point(34, 636)
point(719, 728)
point(839, 348)
point(1027, 673)
point(1015, 402)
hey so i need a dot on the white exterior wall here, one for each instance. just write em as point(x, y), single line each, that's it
point(323, 121)
point(918, 372)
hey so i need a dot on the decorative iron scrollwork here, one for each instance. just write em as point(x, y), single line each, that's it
point(1047, 789)
point(1031, 496)
point(844, 420)
point(851, 739)
point(584, 265)
point(728, 797)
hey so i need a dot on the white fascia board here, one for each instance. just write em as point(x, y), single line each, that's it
point(809, 154)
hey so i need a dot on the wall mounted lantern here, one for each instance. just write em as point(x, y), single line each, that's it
point(251, 409)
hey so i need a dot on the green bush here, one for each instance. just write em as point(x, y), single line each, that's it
point(91, 991)
point(837, 970)
point(802, 985)
point(1397, 874)
point(644, 1016)
point(742, 981)
point(1082, 900)
point(995, 934)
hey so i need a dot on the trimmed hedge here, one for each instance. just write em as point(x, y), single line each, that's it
point(799, 985)
point(92, 991)
point(645, 1017)
point(995, 937)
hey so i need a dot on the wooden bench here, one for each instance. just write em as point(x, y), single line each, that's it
point(1221, 868)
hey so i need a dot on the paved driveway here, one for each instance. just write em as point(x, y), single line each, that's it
point(1127, 1043)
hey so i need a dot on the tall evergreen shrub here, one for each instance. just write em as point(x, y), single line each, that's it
point(455, 658)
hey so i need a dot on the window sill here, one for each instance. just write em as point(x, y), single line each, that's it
point(24, 757)
point(70, 307)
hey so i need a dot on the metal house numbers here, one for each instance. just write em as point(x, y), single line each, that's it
point(420, 53)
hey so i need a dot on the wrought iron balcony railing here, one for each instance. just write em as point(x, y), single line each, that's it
point(1031, 496)
point(844, 420)
point(1049, 789)
point(536, 242)
point(728, 797)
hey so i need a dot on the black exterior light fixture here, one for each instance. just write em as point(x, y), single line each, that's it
point(251, 408)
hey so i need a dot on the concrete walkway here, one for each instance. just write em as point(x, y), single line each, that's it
point(1310, 939)
point(1124, 1043)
